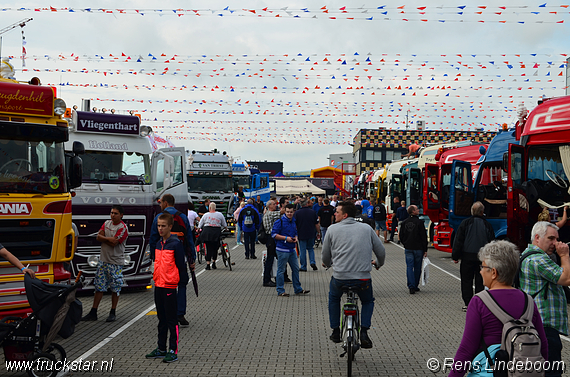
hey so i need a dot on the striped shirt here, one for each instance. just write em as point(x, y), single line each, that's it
point(539, 277)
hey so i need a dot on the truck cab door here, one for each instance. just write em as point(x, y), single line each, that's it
point(163, 166)
point(521, 195)
point(396, 188)
point(461, 198)
point(414, 188)
point(173, 171)
point(431, 199)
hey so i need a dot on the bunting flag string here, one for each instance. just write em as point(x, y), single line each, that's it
point(398, 91)
point(521, 14)
point(345, 77)
point(305, 105)
point(279, 135)
point(299, 58)
point(277, 126)
point(310, 91)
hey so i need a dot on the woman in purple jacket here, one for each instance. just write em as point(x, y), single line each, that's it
point(500, 262)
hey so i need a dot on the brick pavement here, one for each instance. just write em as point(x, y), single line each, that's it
point(239, 328)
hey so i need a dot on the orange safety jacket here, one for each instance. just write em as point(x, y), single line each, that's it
point(169, 264)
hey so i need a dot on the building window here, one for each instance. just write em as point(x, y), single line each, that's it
point(372, 155)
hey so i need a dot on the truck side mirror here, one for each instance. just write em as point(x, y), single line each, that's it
point(78, 148)
point(506, 162)
point(75, 171)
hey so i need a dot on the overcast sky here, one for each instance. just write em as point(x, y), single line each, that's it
point(293, 81)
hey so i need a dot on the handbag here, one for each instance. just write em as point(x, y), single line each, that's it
point(262, 235)
point(482, 364)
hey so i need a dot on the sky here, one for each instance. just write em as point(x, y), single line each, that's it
point(294, 81)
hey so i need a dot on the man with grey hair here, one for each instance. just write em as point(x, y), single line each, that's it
point(269, 219)
point(543, 279)
point(473, 233)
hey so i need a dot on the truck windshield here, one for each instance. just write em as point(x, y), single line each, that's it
point(209, 183)
point(241, 181)
point(32, 167)
point(116, 167)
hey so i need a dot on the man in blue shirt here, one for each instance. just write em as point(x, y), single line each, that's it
point(249, 221)
point(167, 205)
point(317, 206)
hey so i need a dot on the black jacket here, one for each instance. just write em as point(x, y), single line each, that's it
point(473, 233)
point(413, 234)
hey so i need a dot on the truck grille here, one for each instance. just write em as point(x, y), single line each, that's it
point(29, 239)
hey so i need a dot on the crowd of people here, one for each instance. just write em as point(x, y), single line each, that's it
point(525, 287)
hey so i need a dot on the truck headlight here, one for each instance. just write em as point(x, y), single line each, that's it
point(127, 259)
point(145, 131)
point(93, 261)
point(59, 106)
point(146, 256)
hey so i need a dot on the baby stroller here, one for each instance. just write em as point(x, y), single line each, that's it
point(55, 312)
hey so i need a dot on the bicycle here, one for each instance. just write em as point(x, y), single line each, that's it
point(200, 252)
point(200, 247)
point(350, 326)
point(224, 250)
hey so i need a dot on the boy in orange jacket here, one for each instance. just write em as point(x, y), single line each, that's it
point(169, 271)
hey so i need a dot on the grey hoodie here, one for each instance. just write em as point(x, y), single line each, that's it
point(348, 247)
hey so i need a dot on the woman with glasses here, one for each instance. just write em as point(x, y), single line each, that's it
point(499, 265)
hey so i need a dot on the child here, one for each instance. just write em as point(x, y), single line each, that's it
point(169, 270)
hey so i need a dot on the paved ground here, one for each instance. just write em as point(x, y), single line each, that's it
point(239, 328)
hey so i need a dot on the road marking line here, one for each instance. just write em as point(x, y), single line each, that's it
point(450, 274)
point(433, 265)
point(115, 334)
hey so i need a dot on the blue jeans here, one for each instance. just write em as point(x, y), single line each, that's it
point(323, 232)
point(414, 260)
point(366, 297)
point(282, 260)
point(238, 233)
point(249, 242)
point(304, 246)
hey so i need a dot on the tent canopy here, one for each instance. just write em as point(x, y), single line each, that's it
point(291, 187)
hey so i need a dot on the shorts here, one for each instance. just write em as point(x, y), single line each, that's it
point(108, 275)
point(381, 225)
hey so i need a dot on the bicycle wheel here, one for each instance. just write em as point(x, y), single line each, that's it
point(227, 253)
point(349, 350)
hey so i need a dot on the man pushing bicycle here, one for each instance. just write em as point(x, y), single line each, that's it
point(348, 247)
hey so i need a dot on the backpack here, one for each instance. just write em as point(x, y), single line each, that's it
point(520, 342)
point(180, 230)
point(248, 219)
